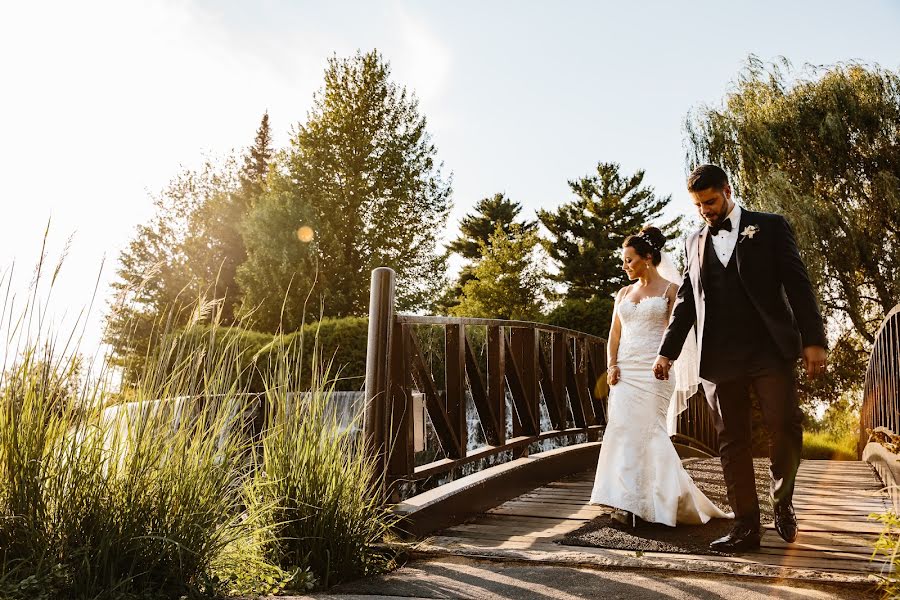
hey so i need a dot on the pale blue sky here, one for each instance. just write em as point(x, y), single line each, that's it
point(103, 100)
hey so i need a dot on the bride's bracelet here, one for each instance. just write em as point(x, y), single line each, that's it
point(612, 367)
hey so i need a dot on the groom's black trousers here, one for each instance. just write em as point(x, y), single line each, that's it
point(776, 392)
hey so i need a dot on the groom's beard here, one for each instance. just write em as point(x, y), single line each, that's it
point(717, 218)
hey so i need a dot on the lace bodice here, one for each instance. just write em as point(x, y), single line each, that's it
point(643, 324)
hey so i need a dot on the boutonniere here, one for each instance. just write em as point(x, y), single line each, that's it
point(749, 231)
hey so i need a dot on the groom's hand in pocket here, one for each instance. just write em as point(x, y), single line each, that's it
point(661, 367)
point(814, 361)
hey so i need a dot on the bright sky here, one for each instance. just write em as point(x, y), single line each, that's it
point(104, 100)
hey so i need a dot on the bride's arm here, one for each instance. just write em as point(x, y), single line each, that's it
point(612, 344)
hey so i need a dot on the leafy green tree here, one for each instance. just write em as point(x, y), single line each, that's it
point(155, 282)
point(593, 315)
point(280, 272)
point(214, 247)
point(586, 233)
point(509, 281)
point(190, 249)
point(476, 228)
point(362, 174)
point(820, 145)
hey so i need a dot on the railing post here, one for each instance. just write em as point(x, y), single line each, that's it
point(378, 354)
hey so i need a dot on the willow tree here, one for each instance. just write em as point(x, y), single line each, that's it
point(820, 145)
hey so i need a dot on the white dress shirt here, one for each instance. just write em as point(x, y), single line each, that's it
point(725, 241)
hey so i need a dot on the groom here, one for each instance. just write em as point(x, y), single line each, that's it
point(748, 292)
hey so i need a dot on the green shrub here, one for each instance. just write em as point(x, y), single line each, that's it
point(342, 341)
point(826, 446)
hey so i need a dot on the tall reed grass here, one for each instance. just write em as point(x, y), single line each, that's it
point(176, 493)
point(316, 485)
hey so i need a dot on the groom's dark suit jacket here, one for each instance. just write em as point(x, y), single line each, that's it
point(774, 278)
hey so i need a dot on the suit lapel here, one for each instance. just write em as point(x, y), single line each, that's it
point(701, 251)
point(699, 295)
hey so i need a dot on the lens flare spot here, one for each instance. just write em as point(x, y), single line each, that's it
point(305, 234)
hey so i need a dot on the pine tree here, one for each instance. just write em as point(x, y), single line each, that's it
point(256, 163)
point(478, 227)
point(587, 232)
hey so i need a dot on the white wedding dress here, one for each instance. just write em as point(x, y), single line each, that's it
point(639, 469)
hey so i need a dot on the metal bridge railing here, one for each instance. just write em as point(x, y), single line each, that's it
point(881, 395)
point(516, 370)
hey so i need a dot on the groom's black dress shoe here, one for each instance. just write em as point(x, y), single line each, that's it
point(786, 521)
point(742, 537)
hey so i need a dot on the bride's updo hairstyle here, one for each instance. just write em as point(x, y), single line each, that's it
point(649, 242)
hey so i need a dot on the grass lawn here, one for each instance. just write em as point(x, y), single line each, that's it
point(820, 445)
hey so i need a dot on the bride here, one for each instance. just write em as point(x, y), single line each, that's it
point(639, 472)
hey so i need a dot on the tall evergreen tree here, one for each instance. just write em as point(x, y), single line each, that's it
point(586, 233)
point(362, 174)
point(256, 163)
point(478, 227)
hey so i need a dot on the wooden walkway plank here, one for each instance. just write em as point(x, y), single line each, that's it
point(833, 501)
point(863, 566)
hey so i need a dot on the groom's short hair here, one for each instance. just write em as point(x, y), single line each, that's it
point(707, 177)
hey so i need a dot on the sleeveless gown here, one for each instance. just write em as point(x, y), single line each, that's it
point(639, 469)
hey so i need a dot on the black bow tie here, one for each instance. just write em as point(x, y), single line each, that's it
point(723, 226)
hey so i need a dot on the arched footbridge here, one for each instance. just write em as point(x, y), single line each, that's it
point(487, 433)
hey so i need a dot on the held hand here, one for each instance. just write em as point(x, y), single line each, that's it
point(613, 375)
point(814, 360)
point(661, 367)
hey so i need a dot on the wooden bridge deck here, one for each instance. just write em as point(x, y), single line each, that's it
point(833, 501)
